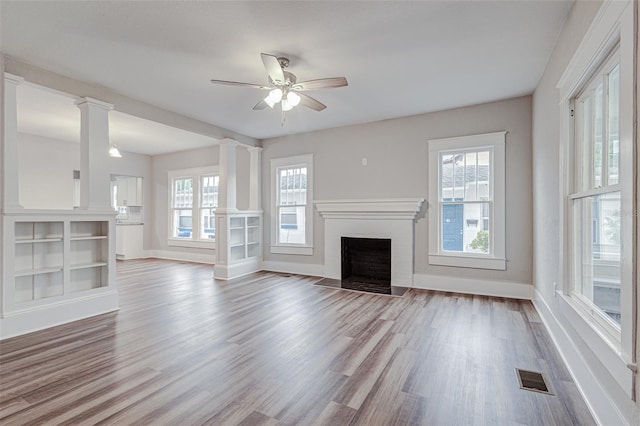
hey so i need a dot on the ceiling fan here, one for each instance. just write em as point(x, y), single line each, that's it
point(285, 89)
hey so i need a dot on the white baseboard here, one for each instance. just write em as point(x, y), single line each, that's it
point(294, 268)
point(473, 286)
point(236, 270)
point(599, 402)
point(41, 317)
point(183, 256)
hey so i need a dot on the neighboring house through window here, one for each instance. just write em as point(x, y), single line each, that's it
point(467, 201)
point(292, 192)
point(193, 199)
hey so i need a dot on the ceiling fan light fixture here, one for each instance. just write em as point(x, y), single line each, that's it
point(286, 106)
point(283, 86)
point(293, 99)
point(290, 101)
point(274, 97)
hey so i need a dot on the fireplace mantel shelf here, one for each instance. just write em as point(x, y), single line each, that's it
point(387, 208)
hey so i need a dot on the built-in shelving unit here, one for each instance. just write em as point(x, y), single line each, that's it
point(89, 255)
point(56, 264)
point(254, 234)
point(38, 262)
point(241, 252)
point(244, 237)
point(237, 231)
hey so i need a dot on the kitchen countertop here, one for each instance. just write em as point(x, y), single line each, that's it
point(128, 223)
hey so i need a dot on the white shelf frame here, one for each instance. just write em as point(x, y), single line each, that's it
point(239, 250)
point(97, 252)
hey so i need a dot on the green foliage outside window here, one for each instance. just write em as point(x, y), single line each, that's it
point(481, 242)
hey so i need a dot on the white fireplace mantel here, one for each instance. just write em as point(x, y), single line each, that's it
point(387, 208)
point(380, 218)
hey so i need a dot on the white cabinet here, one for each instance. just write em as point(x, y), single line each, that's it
point(129, 241)
point(129, 191)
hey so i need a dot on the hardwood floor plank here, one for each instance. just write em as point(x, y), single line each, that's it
point(335, 414)
point(275, 349)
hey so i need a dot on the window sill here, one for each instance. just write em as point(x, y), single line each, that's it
point(596, 319)
point(299, 250)
point(464, 261)
point(605, 346)
point(175, 242)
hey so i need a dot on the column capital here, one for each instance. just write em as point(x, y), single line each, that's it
point(254, 149)
point(230, 142)
point(13, 79)
point(83, 102)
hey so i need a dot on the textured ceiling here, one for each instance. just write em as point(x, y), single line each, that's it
point(400, 58)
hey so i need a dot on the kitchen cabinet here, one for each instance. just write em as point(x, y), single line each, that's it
point(129, 241)
point(129, 191)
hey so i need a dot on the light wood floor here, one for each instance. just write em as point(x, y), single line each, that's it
point(269, 349)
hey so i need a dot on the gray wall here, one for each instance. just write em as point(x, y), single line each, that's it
point(546, 150)
point(396, 151)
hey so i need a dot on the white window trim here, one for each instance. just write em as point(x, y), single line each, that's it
point(612, 25)
point(497, 259)
point(194, 173)
point(299, 249)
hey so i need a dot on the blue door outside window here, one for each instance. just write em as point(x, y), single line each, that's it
point(452, 220)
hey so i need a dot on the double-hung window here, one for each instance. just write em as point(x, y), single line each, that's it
point(595, 197)
point(192, 203)
point(292, 192)
point(596, 105)
point(467, 201)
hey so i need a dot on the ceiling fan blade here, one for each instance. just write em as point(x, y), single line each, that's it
point(260, 105)
point(309, 102)
point(322, 83)
point(237, 83)
point(273, 67)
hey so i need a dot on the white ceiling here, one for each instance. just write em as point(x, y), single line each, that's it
point(53, 115)
point(400, 58)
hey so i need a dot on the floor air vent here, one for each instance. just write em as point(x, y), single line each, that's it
point(532, 381)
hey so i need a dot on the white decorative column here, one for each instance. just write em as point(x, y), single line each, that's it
point(94, 154)
point(255, 174)
point(227, 182)
point(10, 188)
point(226, 205)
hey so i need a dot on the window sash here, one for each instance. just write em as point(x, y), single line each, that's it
point(181, 198)
point(208, 201)
point(593, 143)
point(295, 193)
point(470, 187)
point(591, 269)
